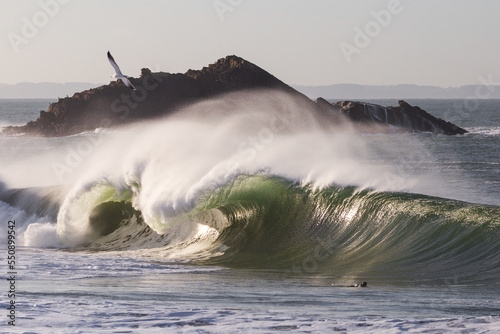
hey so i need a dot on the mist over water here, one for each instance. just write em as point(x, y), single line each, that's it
point(243, 132)
point(163, 167)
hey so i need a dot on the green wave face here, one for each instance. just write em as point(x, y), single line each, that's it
point(275, 222)
point(269, 222)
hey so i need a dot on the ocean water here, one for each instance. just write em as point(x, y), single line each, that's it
point(246, 213)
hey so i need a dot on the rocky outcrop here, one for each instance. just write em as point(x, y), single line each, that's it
point(156, 94)
point(159, 94)
point(404, 116)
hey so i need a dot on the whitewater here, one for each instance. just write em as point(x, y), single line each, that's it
point(249, 212)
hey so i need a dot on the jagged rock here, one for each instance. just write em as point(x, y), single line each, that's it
point(156, 94)
point(159, 94)
point(145, 72)
point(403, 116)
point(233, 73)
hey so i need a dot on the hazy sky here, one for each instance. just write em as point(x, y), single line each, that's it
point(313, 42)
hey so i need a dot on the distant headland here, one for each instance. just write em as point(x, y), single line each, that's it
point(159, 94)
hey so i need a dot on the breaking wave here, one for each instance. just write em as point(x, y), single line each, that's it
point(267, 185)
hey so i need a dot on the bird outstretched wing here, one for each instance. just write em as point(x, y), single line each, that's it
point(127, 82)
point(113, 63)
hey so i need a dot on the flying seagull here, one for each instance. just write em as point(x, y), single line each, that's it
point(118, 74)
